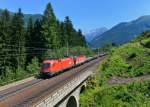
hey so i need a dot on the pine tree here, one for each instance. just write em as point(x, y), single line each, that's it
point(29, 40)
point(4, 41)
point(72, 37)
point(49, 28)
point(38, 40)
point(63, 38)
point(68, 30)
point(20, 45)
point(18, 40)
point(82, 41)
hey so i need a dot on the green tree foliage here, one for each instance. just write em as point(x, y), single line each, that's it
point(128, 61)
point(4, 41)
point(49, 28)
point(34, 66)
point(34, 40)
point(70, 35)
point(29, 39)
point(61, 30)
point(81, 39)
point(38, 40)
point(69, 32)
point(135, 94)
point(18, 40)
point(24, 46)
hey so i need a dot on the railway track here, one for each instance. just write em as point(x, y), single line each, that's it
point(28, 93)
point(8, 92)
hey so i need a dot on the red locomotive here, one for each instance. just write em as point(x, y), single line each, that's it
point(51, 67)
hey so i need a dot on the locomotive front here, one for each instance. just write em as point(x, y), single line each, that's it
point(46, 68)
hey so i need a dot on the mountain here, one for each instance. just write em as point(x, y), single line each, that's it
point(123, 32)
point(94, 33)
point(26, 16)
point(33, 16)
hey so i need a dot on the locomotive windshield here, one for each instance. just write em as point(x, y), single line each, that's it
point(46, 65)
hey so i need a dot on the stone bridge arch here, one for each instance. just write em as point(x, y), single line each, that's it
point(72, 102)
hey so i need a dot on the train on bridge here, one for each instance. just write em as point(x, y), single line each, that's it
point(52, 67)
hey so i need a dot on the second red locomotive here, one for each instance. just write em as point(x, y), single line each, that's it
point(51, 67)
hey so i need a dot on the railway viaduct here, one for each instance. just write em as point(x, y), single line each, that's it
point(68, 95)
point(62, 91)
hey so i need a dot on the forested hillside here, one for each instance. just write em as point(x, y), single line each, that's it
point(123, 80)
point(23, 47)
point(122, 32)
point(26, 17)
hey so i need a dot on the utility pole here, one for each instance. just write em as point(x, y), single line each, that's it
point(67, 48)
point(98, 51)
point(18, 54)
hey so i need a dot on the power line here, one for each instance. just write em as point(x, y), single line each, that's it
point(14, 46)
point(23, 54)
point(16, 50)
point(25, 41)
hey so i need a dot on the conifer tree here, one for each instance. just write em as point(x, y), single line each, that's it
point(29, 40)
point(68, 31)
point(20, 44)
point(63, 38)
point(72, 37)
point(38, 40)
point(49, 28)
point(18, 40)
point(82, 41)
point(4, 41)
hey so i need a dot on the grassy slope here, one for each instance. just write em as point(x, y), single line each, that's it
point(129, 60)
point(136, 94)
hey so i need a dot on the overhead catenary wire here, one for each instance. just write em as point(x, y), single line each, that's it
point(26, 41)
point(14, 46)
point(29, 49)
point(24, 54)
point(23, 46)
point(8, 42)
point(10, 51)
point(9, 57)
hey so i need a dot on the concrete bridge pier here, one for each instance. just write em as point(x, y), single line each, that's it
point(73, 99)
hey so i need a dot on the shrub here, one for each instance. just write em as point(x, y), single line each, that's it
point(130, 95)
point(133, 55)
point(34, 66)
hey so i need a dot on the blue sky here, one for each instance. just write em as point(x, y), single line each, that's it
point(85, 14)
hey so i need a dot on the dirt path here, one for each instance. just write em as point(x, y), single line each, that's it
point(121, 80)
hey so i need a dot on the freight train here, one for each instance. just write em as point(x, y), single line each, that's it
point(53, 67)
